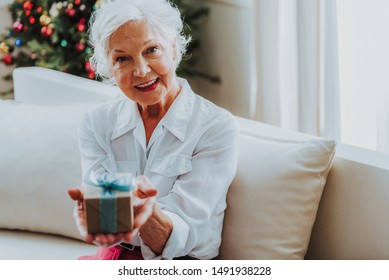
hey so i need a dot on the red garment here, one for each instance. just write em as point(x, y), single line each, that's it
point(114, 253)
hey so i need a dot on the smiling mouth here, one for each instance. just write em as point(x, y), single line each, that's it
point(148, 86)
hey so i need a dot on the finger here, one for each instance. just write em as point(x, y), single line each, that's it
point(76, 194)
point(89, 238)
point(101, 238)
point(115, 240)
point(107, 240)
point(119, 236)
point(145, 193)
point(145, 188)
point(110, 238)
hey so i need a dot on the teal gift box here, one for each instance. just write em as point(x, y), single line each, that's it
point(108, 202)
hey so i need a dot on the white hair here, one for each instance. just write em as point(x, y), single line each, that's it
point(160, 15)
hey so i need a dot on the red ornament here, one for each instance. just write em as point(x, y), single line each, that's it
point(70, 12)
point(18, 26)
point(28, 6)
point(88, 67)
point(31, 19)
point(46, 31)
point(80, 47)
point(77, 2)
point(39, 9)
point(7, 60)
point(80, 27)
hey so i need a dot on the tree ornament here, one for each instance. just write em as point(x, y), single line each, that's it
point(18, 26)
point(4, 49)
point(33, 56)
point(18, 42)
point(44, 19)
point(28, 6)
point(64, 43)
point(7, 60)
point(80, 47)
point(88, 67)
point(31, 19)
point(77, 2)
point(39, 9)
point(70, 12)
point(54, 11)
point(88, 51)
point(81, 27)
point(46, 31)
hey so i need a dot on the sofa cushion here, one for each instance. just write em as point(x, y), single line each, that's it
point(24, 245)
point(39, 148)
point(273, 200)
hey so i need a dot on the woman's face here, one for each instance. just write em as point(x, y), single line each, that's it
point(143, 64)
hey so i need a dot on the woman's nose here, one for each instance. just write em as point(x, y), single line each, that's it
point(141, 68)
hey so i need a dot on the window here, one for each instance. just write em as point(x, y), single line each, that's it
point(363, 36)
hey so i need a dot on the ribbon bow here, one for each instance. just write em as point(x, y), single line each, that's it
point(110, 181)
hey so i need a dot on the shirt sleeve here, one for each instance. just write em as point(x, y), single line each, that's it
point(197, 200)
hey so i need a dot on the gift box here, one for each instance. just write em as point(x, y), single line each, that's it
point(109, 203)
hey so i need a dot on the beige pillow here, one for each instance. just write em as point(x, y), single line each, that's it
point(39, 161)
point(273, 200)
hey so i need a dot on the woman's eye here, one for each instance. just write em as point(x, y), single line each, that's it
point(153, 50)
point(121, 59)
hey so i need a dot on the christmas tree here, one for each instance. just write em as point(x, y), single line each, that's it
point(52, 34)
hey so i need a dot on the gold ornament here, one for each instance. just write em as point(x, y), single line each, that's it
point(4, 49)
point(44, 19)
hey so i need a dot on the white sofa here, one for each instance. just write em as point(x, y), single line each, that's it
point(281, 204)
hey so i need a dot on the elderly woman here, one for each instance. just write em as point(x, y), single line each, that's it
point(183, 146)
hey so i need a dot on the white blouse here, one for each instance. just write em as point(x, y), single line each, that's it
point(191, 158)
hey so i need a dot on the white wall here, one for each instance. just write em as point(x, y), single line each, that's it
point(228, 51)
point(5, 21)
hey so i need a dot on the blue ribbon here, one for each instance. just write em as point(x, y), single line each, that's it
point(110, 184)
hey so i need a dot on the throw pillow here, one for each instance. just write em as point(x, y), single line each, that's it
point(39, 161)
point(273, 200)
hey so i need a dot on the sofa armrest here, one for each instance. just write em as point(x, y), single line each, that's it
point(352, 218)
